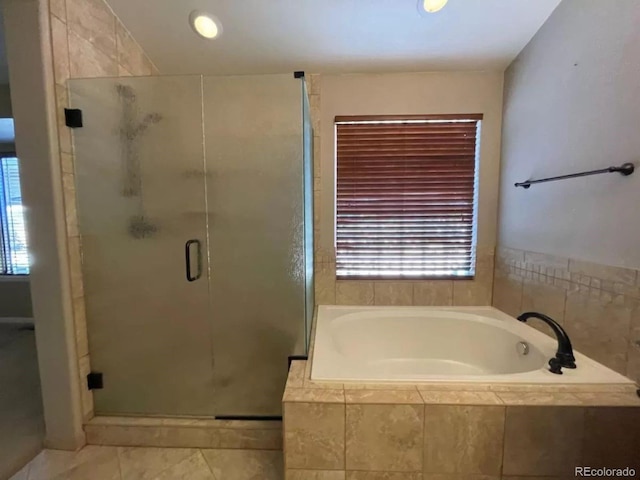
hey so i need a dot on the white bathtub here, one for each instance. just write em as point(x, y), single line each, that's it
point(439, 344)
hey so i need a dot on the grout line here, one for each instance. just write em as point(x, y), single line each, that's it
point(204, 457)
point(118, 46)
point(504, 437)
point(413, 294)
point(424, 434)
point(373, 285)
point(344, 464)
point(128, 32)
point(564, 307)
point(118, 452)
point(119, 464)
point(583, 440)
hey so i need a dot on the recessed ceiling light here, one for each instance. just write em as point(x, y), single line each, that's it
point(432, 6)
point(205, 25)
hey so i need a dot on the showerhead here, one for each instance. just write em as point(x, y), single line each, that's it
point(140, 227)
point(126, 92)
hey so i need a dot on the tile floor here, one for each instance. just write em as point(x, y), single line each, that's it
point(21, 423)
point(137, 463)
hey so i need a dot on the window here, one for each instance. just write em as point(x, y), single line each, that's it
point(13, 243)
point(406, 196)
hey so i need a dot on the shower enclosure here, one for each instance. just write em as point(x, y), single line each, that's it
point(194, 206)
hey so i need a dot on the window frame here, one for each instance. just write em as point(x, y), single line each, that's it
point(15, 277)
point(426, 118)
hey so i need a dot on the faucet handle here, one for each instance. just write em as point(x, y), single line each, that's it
point(555, 366)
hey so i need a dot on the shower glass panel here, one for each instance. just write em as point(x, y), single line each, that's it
point(254, 155)
point(140, 180)
point(195, 218)
point(308, 138)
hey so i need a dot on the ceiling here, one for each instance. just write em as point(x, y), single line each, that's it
point(275, 36)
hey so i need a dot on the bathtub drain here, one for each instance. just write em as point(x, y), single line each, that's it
point(522, 348)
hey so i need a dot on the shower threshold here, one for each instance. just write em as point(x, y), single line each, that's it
point(228, 432)
point(256, 418)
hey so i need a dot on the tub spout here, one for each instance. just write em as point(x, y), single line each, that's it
point(564, 356)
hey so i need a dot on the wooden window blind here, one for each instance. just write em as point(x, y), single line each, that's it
point(406, 196)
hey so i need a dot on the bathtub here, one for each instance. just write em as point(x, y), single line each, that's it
point(439, 344)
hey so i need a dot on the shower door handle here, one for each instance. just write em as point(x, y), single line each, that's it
point(187, 259)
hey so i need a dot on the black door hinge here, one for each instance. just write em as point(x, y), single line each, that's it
point(73, 117)
point(95, 381)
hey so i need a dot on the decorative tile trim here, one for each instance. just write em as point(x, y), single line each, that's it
point(601, 302)
point(567, 273)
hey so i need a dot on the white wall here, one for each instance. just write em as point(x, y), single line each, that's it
point(27, 33)
point(5, 101)
point(15, 297)
point(415, 93)
point(572, 103)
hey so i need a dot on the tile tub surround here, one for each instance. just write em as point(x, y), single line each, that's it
point(378, 431)
point(184, 433)
point(598, 305)
point(331, 291)
point(132, 463)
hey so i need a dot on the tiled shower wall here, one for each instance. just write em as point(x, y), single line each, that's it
point(329, 291)
point(87, 40)
point(598, 305)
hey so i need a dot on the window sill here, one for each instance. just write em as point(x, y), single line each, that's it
point(14, 278)
point(405, 279)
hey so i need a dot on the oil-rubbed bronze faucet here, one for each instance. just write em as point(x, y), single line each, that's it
point(564, 356)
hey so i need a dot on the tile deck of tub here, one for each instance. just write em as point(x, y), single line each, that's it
point(441, 430)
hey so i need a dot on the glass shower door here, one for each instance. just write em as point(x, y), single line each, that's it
point(254, 138)
point(140, 179)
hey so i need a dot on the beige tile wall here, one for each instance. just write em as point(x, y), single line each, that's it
point(87, 40)
point(328, 291)
point(598, 305)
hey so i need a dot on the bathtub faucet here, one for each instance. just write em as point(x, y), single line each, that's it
point(564, 356)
